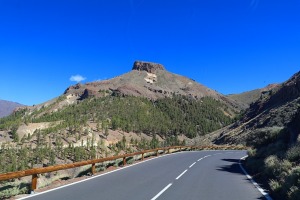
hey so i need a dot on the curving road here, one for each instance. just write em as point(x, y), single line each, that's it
point(211, 175)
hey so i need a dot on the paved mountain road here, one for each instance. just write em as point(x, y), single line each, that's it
point(207, 175)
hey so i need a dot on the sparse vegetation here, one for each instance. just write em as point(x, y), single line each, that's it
point(274, 159)
point(168, 116)
point(162, 121)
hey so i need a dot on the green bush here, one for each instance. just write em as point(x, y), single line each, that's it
point(277, 168)
point(293, 154)
point(9, 191)
point(264, 136)
point(293, 179)
point(271, 165)
point(275, 186)
point(294, 193)
point(252, 152)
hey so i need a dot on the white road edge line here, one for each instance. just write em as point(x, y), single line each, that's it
point(161, 192)
point(181, 174)
point(262, 191)
point(64, 186)
point(192, 164)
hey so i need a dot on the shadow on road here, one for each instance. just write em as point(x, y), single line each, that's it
point(232, 166)
point(232, 160)
point(261, 198)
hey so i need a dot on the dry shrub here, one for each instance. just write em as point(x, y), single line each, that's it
point(293, 154)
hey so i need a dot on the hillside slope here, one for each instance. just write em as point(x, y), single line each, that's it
point(245, 99)
point(271, 126)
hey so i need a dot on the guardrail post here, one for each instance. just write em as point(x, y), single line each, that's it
point(143, 156)
point(156, 152)
point(124, 161)
point(93, 168)
point(34, 182)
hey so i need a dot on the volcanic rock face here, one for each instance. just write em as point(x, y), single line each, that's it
point(147, 66)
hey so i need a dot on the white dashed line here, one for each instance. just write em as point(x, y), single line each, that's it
point(161, 192)
point(192, 164)
point(181, 174)
point(200, 159)
point(94, 177)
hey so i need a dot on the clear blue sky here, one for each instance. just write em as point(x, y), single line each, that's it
point(228, 45)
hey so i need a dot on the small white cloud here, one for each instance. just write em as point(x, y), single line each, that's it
point(77, 78)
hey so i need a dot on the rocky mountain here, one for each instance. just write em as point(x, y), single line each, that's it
point(7, 107)
point(245, 99)
point(149, 80)
point(144, 108)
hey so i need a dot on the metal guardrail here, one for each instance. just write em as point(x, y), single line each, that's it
point(36, 171)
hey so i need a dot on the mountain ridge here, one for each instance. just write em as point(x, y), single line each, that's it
point(245, 99)
point(8, 107)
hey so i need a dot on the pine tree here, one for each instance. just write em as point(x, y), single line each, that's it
point(106, 133)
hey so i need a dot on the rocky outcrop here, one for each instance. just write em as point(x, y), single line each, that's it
point(147, 66)
point(88, 93)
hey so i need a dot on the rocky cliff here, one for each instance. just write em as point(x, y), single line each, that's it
point(147, 66)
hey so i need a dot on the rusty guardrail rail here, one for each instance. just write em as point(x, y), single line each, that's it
point(36, 171)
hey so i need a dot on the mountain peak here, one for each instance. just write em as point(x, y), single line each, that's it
point(147, 66)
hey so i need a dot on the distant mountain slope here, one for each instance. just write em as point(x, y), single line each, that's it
point(7, 107)
point(245, 99)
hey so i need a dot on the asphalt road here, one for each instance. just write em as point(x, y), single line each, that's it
point(198, 175)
